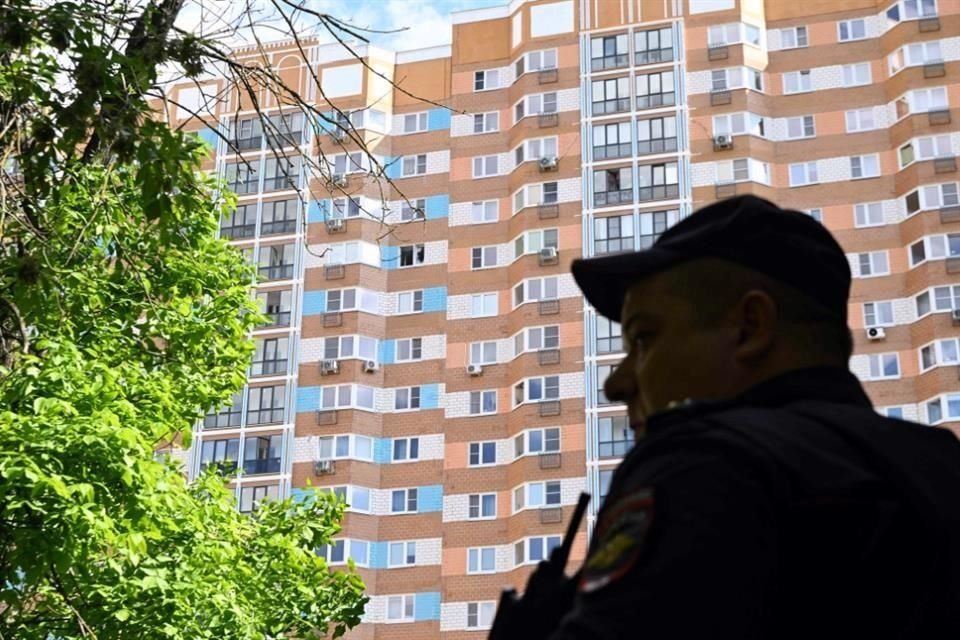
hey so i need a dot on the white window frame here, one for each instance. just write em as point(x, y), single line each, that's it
point(416, 169)
point(489, 122)
point(542, 494)
point(408, 492)
point(409, 302)
point(877, 363)
point(850, 25)
point(478, 556)
point(412, 345)
point(482, 394)
point(810, 173)
point(523, 441)
point(404, 547)
point(548, 543)
point(420, 122)
point(533, 149)
point(352, 391)
point(803, 79)
point(544, 283)
point(408, 454)
point(796, 37)
point(524, 388)
point(353, 447)
point(479, 352)
point(490, 80)
point(482, 166)
point(407, 398)
point(857, 116)
point(418, 253)
point(480, 448)
point(869, 166)
point(482, 614)
point(524, 341)
point(804, 124)
point(881, 311)
point(868, 214)
point(488, 305)
point(485, 211)
point(487, 257)
point(407, 608)
point(480, 506)
point(879, 263)
point(857, 74)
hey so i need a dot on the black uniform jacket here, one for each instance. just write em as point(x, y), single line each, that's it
point(792, 511)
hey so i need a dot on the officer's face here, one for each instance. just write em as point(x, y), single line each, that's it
point(669, 356)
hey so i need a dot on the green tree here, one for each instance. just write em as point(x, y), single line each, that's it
point(122, 320)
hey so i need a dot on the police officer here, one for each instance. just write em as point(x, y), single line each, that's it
point(765, 497)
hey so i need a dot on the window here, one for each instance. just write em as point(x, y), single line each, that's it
point(614, 436)
point(657, 135)
point(653, 46)
point(878, 314)
point(356, 162)
point(535, 149)
point(533, 550)
point(334, 553)
point(611, 141)
point(413, 165)
point(276, 261)
point(276, 306)
point(227, 416)
point(603, 372)
point(346, 396)
point(613, 234)
point(265, 405)
point(534, 241)
point(655, 90)
point(483, 352)
point(483, 257)
point(935, 408)
point(410, 302)
point(816, 214)
point(403, 500)
point(406, 398)
point(733, 171)
point(893, 412)
point(242, 177)
point(735, 78)
point(932, 196)
point(537, 104)
point(345, 446)
point(611, 96)
point(402, 554)
point(939, 352)
point(609, 336)
point(251, 497)
point(486, 122)
point(346, 208)
point(480, 614)
point(534, 495)
point(406, 449)
point(803, 173)
point(485, 211)
point(240, 223)
point(860, 120)
point(483, 305)
point(482, 505)
point(483, 402)
point(537, 441)
point(868, 214)
point(536, 389)
point(603, 483)
point(796, 81)
point(865, 166)
point(915, 54)
point(608, 52)
point(409, 349)
point(486, 80)
point(536, 61)
point(739, 123)
point(855, 75)
point(537, 338)
point(281, 173)
point(269, 357)
point(848, 30)
point(535, 289)
point(800, 127)
point(925, 148)
point(653, 224)
point(658, 181)
point(873, 263)
point(400, 608)
point(793, 38)
point(486, 166)
point(923, 100)
point(415, 122)
point(481, 559)
point(413, 210)
point(612, 186)
point(339, 347)
point(247, 133)
point(483, 453)
point(411, 255)
point(222, 454)
point(884, 365)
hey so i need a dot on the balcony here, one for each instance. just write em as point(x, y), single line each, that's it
point(609, 62)
point(606, 198)
point(265, 416)
point(276, 367)
point(238, 231)
point(276, 319)
point(614, 105)
point(276, 271)
point(659, 192)
point(261, 465)
point(277, 227)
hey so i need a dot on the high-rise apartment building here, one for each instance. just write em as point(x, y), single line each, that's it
point(446, 378)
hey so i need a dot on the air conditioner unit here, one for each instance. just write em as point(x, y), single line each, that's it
point(548, 255)
point(723, 141)
point(955, 314)
point(876, 333)
point(335, 224)
point(322, 467)
point(369, 366)
point(339, 180)
point(474, 369)
point(329, 367)
point(548, 163)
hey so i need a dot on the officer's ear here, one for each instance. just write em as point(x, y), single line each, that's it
point(755, 318)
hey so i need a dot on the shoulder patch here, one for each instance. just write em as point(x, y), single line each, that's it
point(620, 535)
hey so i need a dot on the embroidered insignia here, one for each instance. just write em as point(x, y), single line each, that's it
point(621, 533)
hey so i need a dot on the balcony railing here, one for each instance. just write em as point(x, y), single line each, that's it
point(614, 105)
point(659, 192)
point(277, 319)
point(654, 100)
point(654, 56)
point(609, 62)
point(223, 419)
point(277, 271)
point(662, 145)
point(223, 467)
point(265, 416)
point(614, 448)
point(245, 144)
point(261, 465)
point(622, 196)
point(611, 151)
point(269, 367)
point(277, 227)
point(238, 231)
